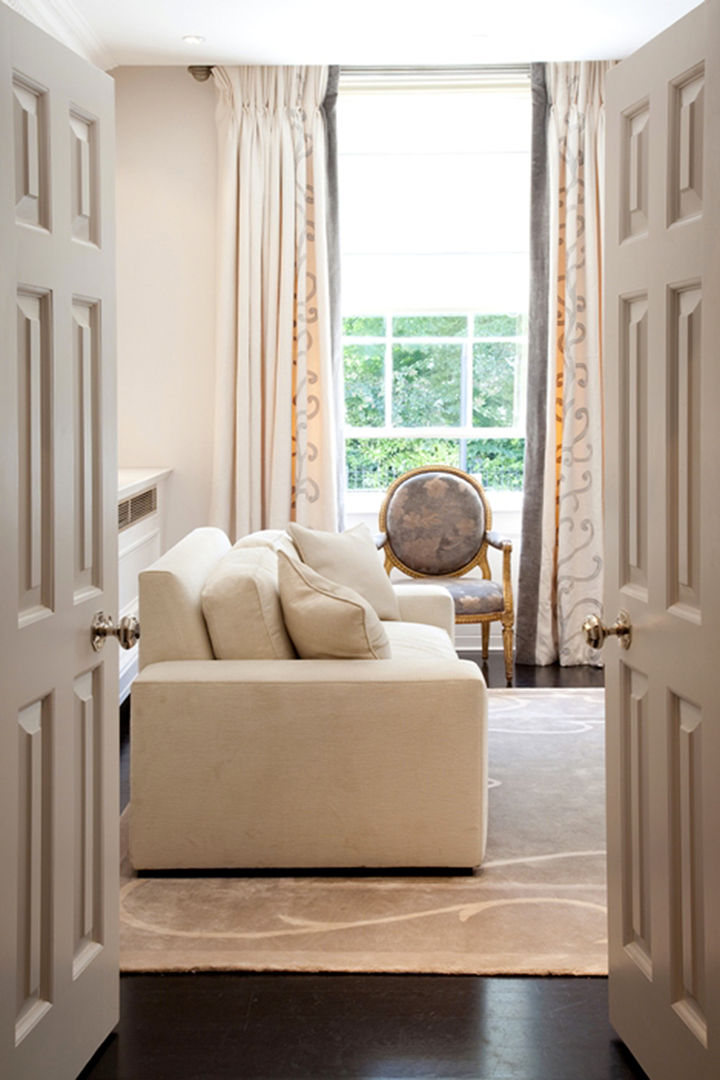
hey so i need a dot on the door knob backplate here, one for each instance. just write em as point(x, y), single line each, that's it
point(596, 633)
point(127, 630)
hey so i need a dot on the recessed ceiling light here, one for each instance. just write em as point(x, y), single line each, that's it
point(193, 39)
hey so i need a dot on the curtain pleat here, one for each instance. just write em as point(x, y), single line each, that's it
point(275, 416)
point(537, 378)
point(565, 526)
point(333, 247)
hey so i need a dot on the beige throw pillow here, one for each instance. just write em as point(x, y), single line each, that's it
point(242, 610)
point(327, 621)
point(351, 559)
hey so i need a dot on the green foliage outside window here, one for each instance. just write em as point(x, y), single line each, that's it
point(364, 385)
point(426, 391)
point(429, 326)
point(498, 325)
point(499, 462)
point(426, 385)
point(364, 326)
point(494, 364)
point(372, 464)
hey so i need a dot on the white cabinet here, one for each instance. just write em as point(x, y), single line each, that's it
point(141, 518)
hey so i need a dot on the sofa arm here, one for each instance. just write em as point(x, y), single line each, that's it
point(308, 763)
point(427, 604)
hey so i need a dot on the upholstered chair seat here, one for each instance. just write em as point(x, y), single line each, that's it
point(435, 524)
point(471, 596)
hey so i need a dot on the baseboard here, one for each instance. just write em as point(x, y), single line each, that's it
point(128, 671)
point(468, 636)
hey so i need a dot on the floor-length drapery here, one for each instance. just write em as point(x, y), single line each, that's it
point(561, 570)
point(275, 415)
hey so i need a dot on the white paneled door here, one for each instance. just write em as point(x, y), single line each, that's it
point(58, 565)
point(662, 341)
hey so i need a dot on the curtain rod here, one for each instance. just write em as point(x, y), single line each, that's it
point(202, 72)
point(434, 70)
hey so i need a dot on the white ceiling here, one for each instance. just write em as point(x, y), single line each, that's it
point(362, 32)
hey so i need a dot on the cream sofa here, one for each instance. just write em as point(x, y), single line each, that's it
point(300, 763)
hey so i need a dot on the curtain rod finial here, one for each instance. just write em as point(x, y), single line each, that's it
point(200, 72)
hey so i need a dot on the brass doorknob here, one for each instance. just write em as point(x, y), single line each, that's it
point(595, 632)
point(127, 630)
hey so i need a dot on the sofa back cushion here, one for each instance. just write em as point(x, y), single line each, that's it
point(327, 621)
point(241, 606)
point(350, 559)
point(171, 619)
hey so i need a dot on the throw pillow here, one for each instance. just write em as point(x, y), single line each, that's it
point(351, 559)
point(242, 610)
point(327, 621)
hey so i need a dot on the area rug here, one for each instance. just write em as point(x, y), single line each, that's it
point(536, 906)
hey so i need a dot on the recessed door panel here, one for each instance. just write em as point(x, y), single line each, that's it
point(686, 144)
point(35, 451)
point(685, 389)
point(688, 938)
point(32, 196)
point(34, 896)
point(85, 331)
point(87, 821)
point(83, 184)
point(635, 165)
point(634, 376)
point(635, 787)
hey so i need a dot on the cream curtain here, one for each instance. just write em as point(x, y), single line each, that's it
point(562, 557)
point(275, 425)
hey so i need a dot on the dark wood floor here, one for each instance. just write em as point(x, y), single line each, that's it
point(277, 1026)
point(218, 1027)
point(528, 676)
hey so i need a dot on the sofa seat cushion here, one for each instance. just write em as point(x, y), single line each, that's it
point(327, 621)
point(350, 558)
point(241, 605)
point(418, 641)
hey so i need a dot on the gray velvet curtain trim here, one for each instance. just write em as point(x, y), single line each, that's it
point(537, 378)
point(333, 239)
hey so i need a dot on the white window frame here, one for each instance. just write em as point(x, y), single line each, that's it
point(465, 430)
point(516, 77)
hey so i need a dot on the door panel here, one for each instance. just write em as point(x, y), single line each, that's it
point(663, 553)
point(58, 485)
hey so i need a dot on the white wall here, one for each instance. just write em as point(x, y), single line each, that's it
point(166, 282)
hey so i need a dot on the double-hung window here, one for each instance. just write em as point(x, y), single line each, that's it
point(434, 185)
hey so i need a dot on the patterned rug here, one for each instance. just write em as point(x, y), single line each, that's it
point(536, 906)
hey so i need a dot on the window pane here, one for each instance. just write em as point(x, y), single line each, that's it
point(373, 464)
point(364, 385)
point(494, 384)
point(364, 326)
point(498, 462)
point(498, 325)
point(426, 385)
point(430, 326)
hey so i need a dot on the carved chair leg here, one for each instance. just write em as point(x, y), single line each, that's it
point(508, 650)
point(485, 639)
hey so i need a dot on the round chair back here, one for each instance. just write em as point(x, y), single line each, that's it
point(435, 520)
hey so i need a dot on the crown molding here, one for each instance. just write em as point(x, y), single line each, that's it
point(63, 21)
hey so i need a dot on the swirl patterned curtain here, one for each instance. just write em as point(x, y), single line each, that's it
point(275, 408)
point(561, 563)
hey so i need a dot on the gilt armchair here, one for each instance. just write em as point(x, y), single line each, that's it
point(435, 524)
